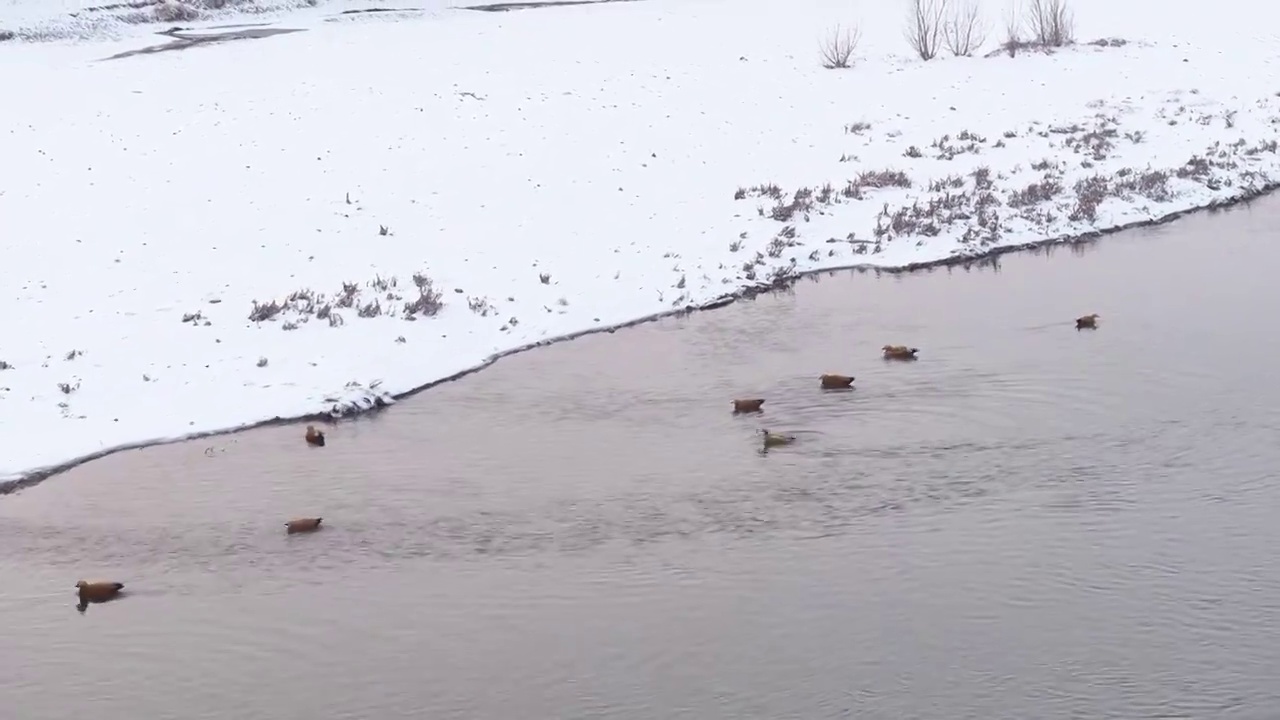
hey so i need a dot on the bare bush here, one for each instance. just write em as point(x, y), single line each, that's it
point(1050, 23)
point(429, 301)
point(1013, 40)
point(925, 27)
point(838, 47)
point(964, 32)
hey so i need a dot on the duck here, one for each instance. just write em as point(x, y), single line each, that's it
point(99, 591)
point(899, 352)
point(834, 382)
point(1087, 321)
point(748, 405)
point(314, 436)
point(775, 439)
point(300, 525)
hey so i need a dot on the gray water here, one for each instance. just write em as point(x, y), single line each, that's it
point(1028, 522)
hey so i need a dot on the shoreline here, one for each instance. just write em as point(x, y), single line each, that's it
point(238, 256)
point(38, 476)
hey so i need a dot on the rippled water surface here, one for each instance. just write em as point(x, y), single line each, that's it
point(1029, 522)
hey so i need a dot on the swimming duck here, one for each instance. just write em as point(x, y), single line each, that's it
point(834, 382)
point(748, 405)
point(97, 592)
point(775, 439)
point(899, 352)
point(299, 525)
point(314, 436)
point(1088, 321)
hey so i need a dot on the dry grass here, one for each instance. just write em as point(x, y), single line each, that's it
point(375, 298)
point(429, 301)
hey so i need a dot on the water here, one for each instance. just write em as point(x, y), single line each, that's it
point(1029, 522)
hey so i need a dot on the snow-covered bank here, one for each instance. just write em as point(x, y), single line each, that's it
point(548, 172)
point(53, 20)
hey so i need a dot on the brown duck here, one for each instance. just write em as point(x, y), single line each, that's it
point(301, 525)
point(314, 436)
point(835, 382)
point(1087, 321)
point(97, 592)
point(899, 352)
point(750, 405)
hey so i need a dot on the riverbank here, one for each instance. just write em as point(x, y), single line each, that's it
point(1031, 522)
point(284, 226)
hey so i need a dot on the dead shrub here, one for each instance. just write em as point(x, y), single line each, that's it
point(1090, 192)
point(263, 312)
point(1036, 193)
point(1197, 168)
point(1013, 40)
point(963, 31)
point(1051, 23)
point(1151, 184)
point(837, 48)
point(429, 300)
point(925, 24)
point(883, 179)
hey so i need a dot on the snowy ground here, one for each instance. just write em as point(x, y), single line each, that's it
point(547, 171)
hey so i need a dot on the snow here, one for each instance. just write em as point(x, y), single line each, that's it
point(599, 147)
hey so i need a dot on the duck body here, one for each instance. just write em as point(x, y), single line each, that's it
point(776, 439)
point(1087, 322)
point(97, 591)
point(314, 436)
point(301, 525)
point(748, 405)
point(836, 382)
point(899, 352)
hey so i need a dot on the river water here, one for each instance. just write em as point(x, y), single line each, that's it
point(1028, 522)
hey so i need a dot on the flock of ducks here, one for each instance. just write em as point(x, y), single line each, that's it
point(100, 591)
point(831, 381)
point(827, 381)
